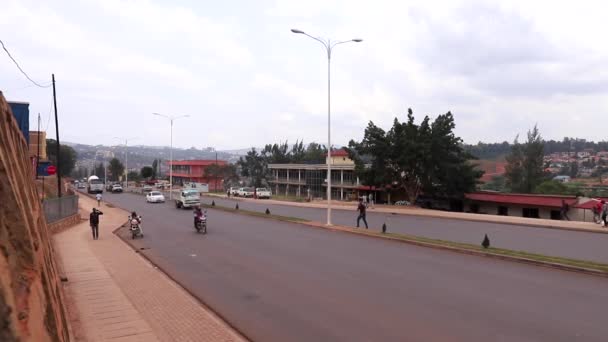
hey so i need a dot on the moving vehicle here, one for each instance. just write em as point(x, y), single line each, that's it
point(200, 222)
point(135, 227)
point(82, 185)
point(147, 188)
point(187, 199)
point(94, 185)
point(116, 188)
point(155, 197)
point(245, 192)
point(262, 193)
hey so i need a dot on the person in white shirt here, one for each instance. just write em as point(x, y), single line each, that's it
point(98, 196)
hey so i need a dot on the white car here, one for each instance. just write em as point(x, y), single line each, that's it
point(245, 192)
point(155, 197)
point(233, 191)
point(262, 193)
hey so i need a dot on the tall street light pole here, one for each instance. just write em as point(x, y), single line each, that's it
point(329, 45)
point(171, 119)
point(126, 160)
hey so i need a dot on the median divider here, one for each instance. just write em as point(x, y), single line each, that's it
point(566, 264)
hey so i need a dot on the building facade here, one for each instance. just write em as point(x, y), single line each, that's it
point(310, 180)
point(194, 171)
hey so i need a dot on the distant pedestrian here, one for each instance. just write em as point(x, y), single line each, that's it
point(604, 213)
point(597, 212)
point(228, 193)
point(99, 197)
point(370, 199)
point(564, 210)
point(361, 208)
point(94, 221)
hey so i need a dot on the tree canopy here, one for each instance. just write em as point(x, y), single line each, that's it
point(116, 168)
point(525, 169)
point(426, 157)
point(67, 155)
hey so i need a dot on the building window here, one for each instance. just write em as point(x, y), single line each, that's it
point(503, 210)
point(556, 215)
point(530, 212)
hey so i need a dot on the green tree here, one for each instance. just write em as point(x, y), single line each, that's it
point(67, 155)
point(255, 167)
point(134, 176)
point(524, 170)
point(147, 171)
point(155, 168)
point(573, 169)
point(428, 157)
point(315, 153)
point(116, 168)
point(551, 187)
point(99, 170)
point(497, 183)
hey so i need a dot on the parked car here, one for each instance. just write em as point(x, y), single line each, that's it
point(245, 192)
point(233, 191)
point(116, 188)
point(82, 185)
point(262, 193)
point(147, 188)
point(155, 197)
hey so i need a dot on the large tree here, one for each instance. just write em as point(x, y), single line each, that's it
point(414, 157)
point(228, 173)
point(67, 157)
point(116, 168)
point(255, 167)
point(524, 170)
point(147, 171)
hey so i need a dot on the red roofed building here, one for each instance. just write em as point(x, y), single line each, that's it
point(187, 171)
point(523, 205)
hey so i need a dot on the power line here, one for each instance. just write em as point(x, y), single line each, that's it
point(17, 64)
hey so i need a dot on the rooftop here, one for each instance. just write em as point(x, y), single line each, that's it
point(522, 199)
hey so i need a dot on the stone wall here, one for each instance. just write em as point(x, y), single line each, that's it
point(63, 224)
point(31, 306)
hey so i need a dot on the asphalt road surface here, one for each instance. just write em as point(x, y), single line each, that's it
point(554, 242)
point(278, 281)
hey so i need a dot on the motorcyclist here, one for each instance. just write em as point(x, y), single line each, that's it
point(198, 214)
point(135, 217)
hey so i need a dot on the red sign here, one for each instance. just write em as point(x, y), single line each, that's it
point(51, 170)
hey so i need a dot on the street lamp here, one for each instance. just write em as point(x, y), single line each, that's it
point(171, 119)
point(329, 45)
point(126, 160)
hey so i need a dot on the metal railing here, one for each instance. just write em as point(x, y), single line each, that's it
point(56, 209)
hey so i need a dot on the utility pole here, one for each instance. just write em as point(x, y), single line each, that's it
point(216, 171)
point(57, 133)
point(38, 148)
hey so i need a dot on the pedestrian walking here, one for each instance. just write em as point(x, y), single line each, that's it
point(371, 200)
point(361, 208)
point(604, 212)
point(98, 197)
point(564, 210)
point(597, 211)
point(94, 222)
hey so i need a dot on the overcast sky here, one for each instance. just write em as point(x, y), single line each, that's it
point(246, 80)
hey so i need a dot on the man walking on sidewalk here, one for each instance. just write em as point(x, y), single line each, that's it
point(98, 197)
point(94, 221)
point(361, 209)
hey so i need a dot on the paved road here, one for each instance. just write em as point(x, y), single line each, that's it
point(570, 244)
point(279, 281)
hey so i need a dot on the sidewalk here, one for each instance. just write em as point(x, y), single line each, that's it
point(415, 211)
point(114, 294)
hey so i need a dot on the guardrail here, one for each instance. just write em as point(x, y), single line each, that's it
point(59, 208)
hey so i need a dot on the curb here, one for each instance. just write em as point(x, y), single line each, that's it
point(522, 260)
point(435, 216)
point(204, 304)
point(460, 250)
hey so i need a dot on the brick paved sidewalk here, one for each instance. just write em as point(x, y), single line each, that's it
point(414, 211)
point(116, 295)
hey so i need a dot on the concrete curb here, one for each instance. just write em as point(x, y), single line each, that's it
point(177, 283)
point(488, 254)
point(433, 214)
point(461, 250)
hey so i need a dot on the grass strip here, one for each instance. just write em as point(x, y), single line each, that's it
point(444, 243)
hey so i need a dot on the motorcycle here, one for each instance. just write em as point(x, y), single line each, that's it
point(135, 227)
point(200, 223)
